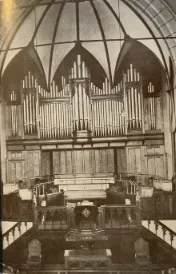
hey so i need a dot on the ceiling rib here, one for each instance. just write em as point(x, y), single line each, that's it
point(53, 40)
point(41, 19)
point(149, 29)
point(21, 18)
point(104, 40)
point(116, 16)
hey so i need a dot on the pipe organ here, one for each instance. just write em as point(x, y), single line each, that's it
point(79, 105)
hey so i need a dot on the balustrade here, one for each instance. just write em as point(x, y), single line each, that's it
point(15, 232)
point(51, 218)
point(109, 217)
point(121, 217)
point(162, 231)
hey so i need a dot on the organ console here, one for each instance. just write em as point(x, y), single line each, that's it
point(80, 105)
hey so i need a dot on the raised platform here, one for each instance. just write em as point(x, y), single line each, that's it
point(84, 188)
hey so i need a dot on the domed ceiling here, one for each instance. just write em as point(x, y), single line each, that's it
point(55, 27)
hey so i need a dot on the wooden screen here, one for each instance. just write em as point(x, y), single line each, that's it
point(46, 163)
point(15, 166)
point(32, 164)
point(156, 161)
point(83, 162)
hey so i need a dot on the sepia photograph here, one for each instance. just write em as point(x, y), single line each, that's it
point(88, 136)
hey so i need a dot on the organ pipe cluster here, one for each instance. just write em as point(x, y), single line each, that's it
point(55, 115)
point(79, 69)
point(29, 85)
point(80, 99)
point(133, 97)
point(79, 105)
point(14, 114)
point(151, 107)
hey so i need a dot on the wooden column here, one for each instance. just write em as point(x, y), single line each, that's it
point(166, 127)
point(3, 128)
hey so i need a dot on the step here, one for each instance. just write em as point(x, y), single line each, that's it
point(85, 194)
point(84, 180)
point(84, 187)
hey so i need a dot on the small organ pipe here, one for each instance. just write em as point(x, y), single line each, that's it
point(133, 107)
point(80, 106)
point(136, 108)
point(83, 70)
point(79, 65)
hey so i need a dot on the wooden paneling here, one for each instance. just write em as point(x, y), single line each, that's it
point(69, 162)
point(151, 165)
point(134, 164)
point(79, 161)
point(83, 161)
point(46, 163)
point(145, 160)
point(110, 160)
point(121, 160)
point(15, 166)
point(63, 162)
point(32, 164)
point(156, 160)
point(87, 161)
point(56, 162)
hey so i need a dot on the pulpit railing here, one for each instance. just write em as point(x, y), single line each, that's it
point(105, 217)
point(117, 216)
point(51, 218)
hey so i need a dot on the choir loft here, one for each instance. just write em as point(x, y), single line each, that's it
point(88, 135)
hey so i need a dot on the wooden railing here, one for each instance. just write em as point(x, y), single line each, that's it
point(121, 216)
point(42, 187)
point(51, 218)
point(162, 231)
point(15, 232)
point(109, 217)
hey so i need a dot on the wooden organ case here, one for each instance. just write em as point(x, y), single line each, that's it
point(79, 108)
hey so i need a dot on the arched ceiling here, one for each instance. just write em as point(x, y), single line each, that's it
point(54, 26)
